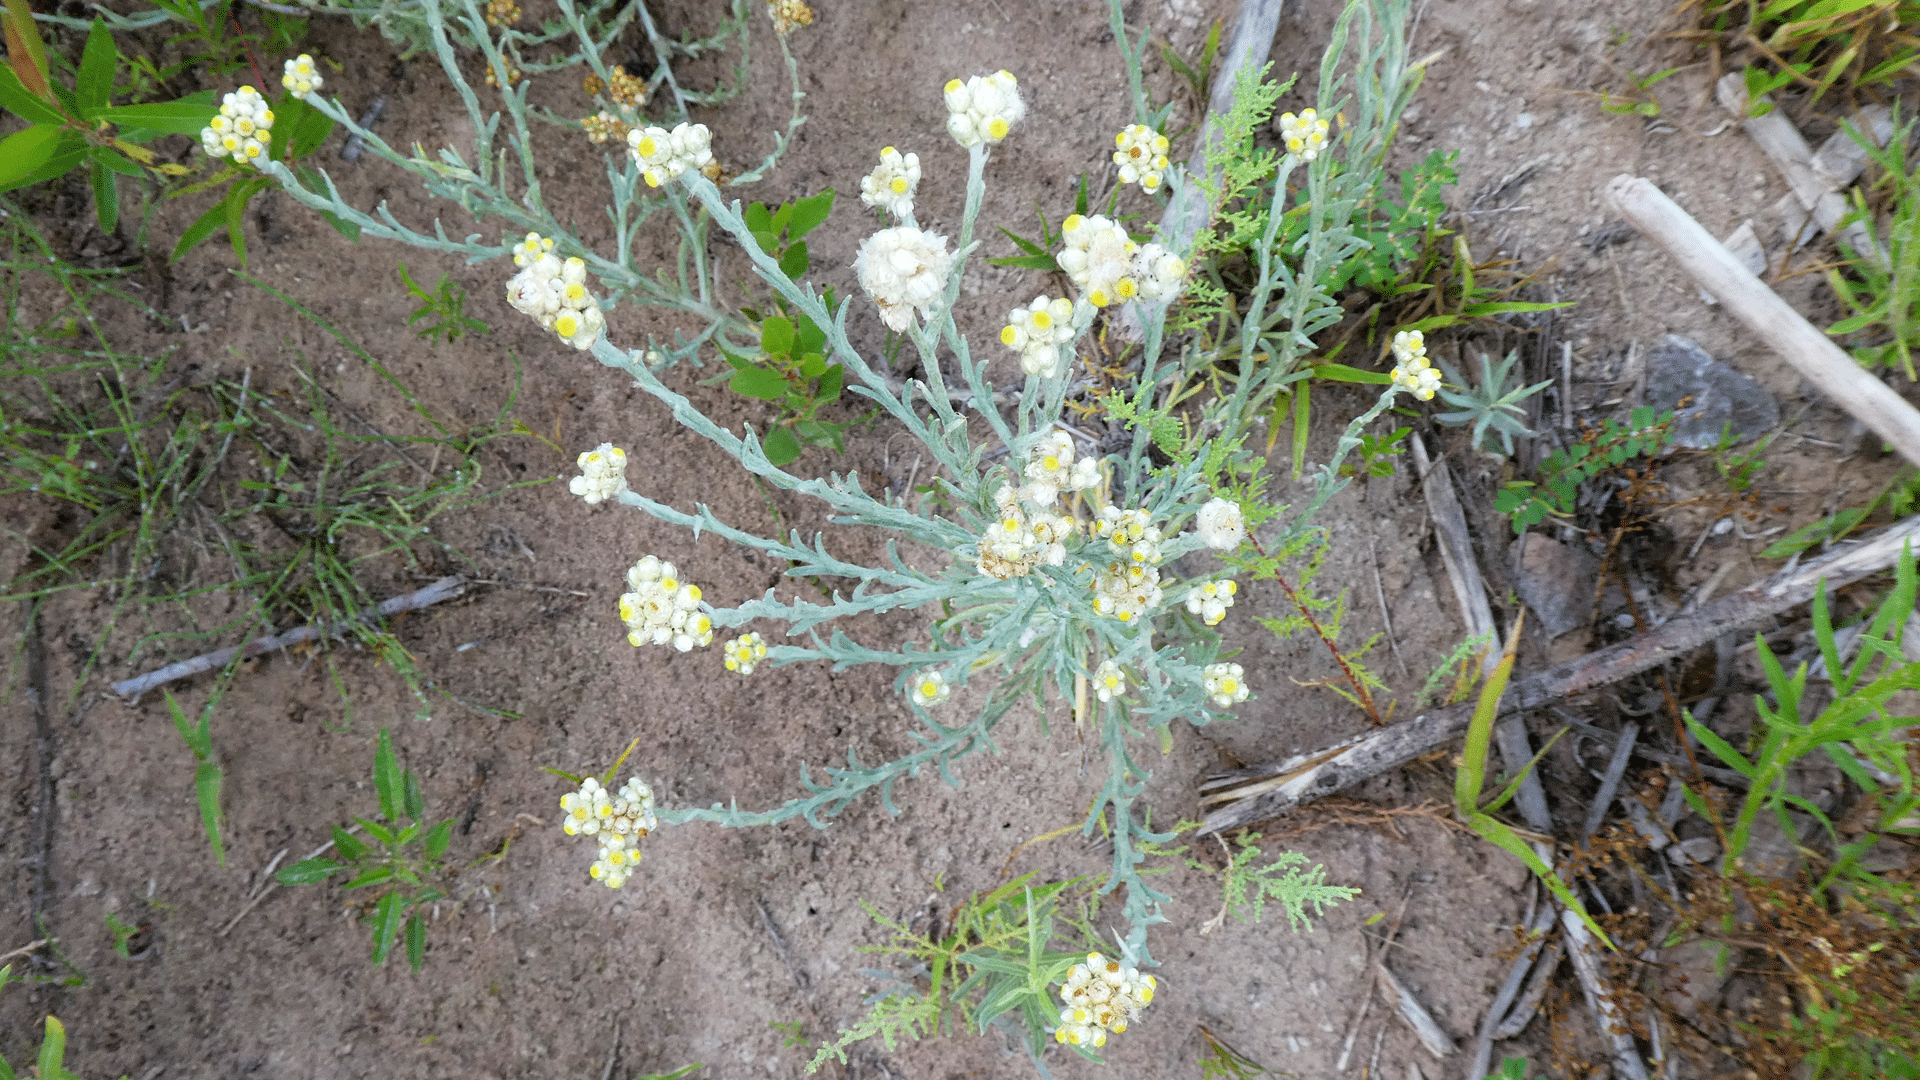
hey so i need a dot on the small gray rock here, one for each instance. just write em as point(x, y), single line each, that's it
point(1716, 396)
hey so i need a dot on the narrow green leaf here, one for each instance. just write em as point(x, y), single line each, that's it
point(106, 193)
point(349, 846)
point(372, 876)
point(411, 800)
point(24, 152)
point(25, 50)
point(386, 777)
point(166, 117)
point(24, 103)
point(436, 842)
point(308, 872)
point(1722, 749)
point(386, 923)
point(1343, 373)
point(206, 782)
point(416, 942)
point(94, 86)
point(1302, 409)
point(117, 162)
point(235, 205)
point(197, 233)
point(53, 1051)
point(376, 830)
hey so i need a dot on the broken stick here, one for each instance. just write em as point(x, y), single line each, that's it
point(1772, 319)
point(1245, 796)
point(445, 589)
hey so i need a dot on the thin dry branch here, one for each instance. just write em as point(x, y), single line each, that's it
point(445, 589)
point(1246, 796)
point(1772, 319)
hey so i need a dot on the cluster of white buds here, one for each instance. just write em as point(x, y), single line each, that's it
point(1017, 541)
point(745, 652)
point(1051, 469)
point(1157, 272)
point(903, 269)
point(929, 688)
point(1098, 258)
point(1142, 156)
point(1224, 683)
point(554, 292)
point(664, 154)
point(1109, 681)
point(1412, 371)
point(1211, 601)
point(890, 186)
point(1305, 135)
point(603, 474)
point(1221, 525)
point(301, 77)
point(1127, 592)
point(661, 610)
point(1102, 997)
point(618, 821)
point(1036, 332)
point(1131, 534)
point(983, 108)
point(241, 130)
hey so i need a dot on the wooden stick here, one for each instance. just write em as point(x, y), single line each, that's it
point(1245, 796)
point(1748, 299)
point(445, 589)
point(1582, 948)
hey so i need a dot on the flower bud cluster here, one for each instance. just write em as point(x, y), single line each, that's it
point(242, 129)
point(1109, 681)
point(929, 688)
point(603, 126)
point(903, 269)
point(1211, 601)
point(891, 185)
point(618, 821)
point(1051, 469)
point(513, 73)
point(1127, 592)
point(1102, 997)
point(983, 108)
point(1221, 525)
point(789, 15)
point(603, 474)
point(1017, 541)
point(663, 155)
point(1036, 332)
point(1108, 266)
point(1412, 371)
point(502, 12)
point(1142, 156)
point(745, 652)
point(301, 77)
point(1224, 684)
point(1130, 534)
point(659, 609)
point(554, 292)
point(1305, 135)
point(625, 89)
point(1158, 272)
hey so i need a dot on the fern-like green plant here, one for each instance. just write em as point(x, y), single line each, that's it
point(1286, 881)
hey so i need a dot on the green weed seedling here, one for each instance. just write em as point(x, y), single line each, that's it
point(1608, 446)
point(445, 310)
point(1489, 405)
point(1288, 881)
point(50, 1063)
point(402, 862)
point(1881, 285)
point(1899, 496)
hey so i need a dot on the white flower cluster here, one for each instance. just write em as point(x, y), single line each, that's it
point(1109, 681)
point(1017, 542)
point(1127, 592)
point(617, 821)
point(745, 652)
point(1142, 156)
point(603, 474)
point(241, 130)
point(891, 185)
point(664, 154)
point(1221, 525)
point(554, 292)
point(1224, 684)
point(1051, 469)
point(301, 77)
point(1102, 997)
point(1305, 135)
point(1037, 331)
point(1130, 533)
point(660, 610)
point(983, 108)
point(1412, 371)
point(1107, 265)
point(904, 269)
point(929, 688)
point(1211, 601)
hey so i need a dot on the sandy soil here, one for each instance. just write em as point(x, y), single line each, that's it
point(542, 974)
